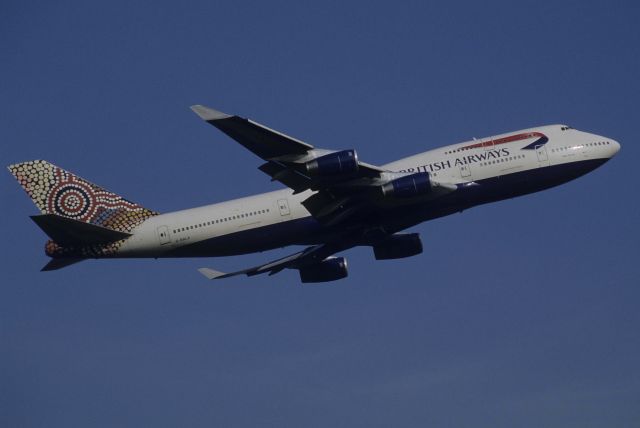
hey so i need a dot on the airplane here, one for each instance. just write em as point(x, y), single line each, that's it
point(333, 201)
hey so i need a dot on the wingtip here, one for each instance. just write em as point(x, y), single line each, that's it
point(207, 113)
point(210, 273)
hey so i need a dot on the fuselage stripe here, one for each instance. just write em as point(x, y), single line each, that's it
point(542, 139)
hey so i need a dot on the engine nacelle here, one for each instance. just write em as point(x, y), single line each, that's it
point(409, 186)
point(398, 247)
point(335, 164)
point(330, 269)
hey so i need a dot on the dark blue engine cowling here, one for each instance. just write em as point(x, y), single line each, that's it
point(410, 186)
point(334, 164)
point(398, 247)
point(330, 269)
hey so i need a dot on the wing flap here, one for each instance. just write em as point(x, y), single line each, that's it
point(290, 178)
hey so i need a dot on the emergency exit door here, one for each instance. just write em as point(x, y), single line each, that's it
point(163, 235)
point(283, 206)
point(541, 152)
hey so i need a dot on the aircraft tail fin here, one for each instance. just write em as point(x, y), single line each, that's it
point(63, 195)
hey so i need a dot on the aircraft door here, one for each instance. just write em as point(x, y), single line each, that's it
point(283, 206)
point(163, 235)
point(465, 172)
point(541, 152)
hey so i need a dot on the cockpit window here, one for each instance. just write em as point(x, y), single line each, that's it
point(565, 127)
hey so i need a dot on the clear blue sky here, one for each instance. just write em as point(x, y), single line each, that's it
point(521, 313)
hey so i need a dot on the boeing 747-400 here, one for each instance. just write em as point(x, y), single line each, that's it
point(333, 200)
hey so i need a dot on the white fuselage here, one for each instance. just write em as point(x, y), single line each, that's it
point(212, 228)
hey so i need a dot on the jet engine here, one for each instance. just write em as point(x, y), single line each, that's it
point(398, 247)
point(329, 269)
point(409, 186)
point(334, 164)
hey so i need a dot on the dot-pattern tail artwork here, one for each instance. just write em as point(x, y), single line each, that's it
point(59, 192)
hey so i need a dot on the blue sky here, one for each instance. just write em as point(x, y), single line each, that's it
point(520, 313)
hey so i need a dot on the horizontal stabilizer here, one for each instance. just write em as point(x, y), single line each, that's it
point(55, 264)
point(69, 232)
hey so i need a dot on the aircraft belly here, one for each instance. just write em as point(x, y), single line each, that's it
point(525, 182)
point(488, 190)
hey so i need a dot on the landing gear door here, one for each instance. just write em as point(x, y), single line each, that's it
point(541, 152)
point(283, 206)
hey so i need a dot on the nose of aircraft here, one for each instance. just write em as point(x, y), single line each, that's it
point(615, 147)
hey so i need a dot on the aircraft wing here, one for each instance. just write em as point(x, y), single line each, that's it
point(344, 185)
point(286, 157)
point(306, 257)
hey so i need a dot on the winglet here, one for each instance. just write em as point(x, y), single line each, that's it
point(208, 114)
point(210, 273)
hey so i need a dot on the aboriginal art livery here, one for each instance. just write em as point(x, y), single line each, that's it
point(59, 193)
point(333, 200)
